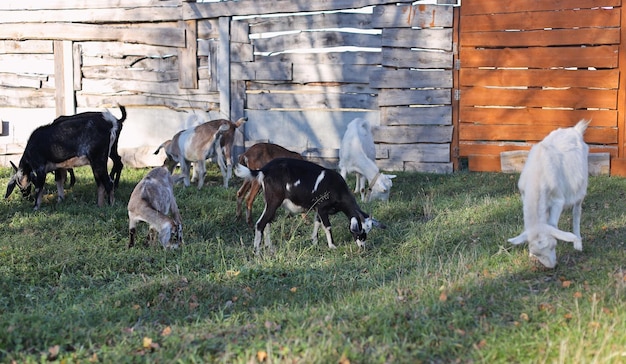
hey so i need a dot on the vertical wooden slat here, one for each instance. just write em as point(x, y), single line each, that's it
point(223, 65)
point(188, 56)
point(77, 56)
point(618, 165)
point(456, 89)
point(63, 76)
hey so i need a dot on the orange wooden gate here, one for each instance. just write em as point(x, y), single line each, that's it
point(527, 67)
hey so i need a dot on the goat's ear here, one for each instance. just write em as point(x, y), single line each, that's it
point(521, 238)
point(11, 186)
point(14, 167)
point(566, 236)
point(355, 226)
point(391, 176)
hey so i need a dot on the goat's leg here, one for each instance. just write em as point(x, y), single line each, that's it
point(116, 170)
point(178, 221)
point(555, 211)
point(316, 227)
point(40, 181)
point(323, 217)
point(255, 188)
point(241, 195)
point(576, 214)
point(184, 170)
point(132, 228)
point(271, 205)
point(60, 175)
point(200, 166)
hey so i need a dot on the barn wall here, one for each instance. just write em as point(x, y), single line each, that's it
point(166, 59)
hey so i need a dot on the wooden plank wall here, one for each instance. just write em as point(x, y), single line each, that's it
point(398, 74)
point(174, 55)
point(528, 67)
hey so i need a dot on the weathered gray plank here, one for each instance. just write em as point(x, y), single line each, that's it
point(120, 50)
point(267, 101)
point(418, 38)
point(261, 71)
point(438, 115)
point(432, 153)
point(439, 168)
point(247, 7)
point(165, 36)
point(406, 15)
point(20, 80)
point(311, 88)
point(95, 16)
point(412, 134)
point(404, 78)
point(396, 97)
point(407, 58)
point(187, 57)
point(25, 46)
point(308, 22)
point(241, 52)
point(27, 97)
point(311, 40)
point(204, 102)
point(357, 57)
point(136, 74)
point(81, 4)
point(305, 73)
point(111, 86)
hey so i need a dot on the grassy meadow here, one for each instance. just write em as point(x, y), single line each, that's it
point(439, 285)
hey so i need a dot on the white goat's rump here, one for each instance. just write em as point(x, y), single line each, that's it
point(554, 177)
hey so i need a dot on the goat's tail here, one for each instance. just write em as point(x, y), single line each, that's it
point(164, 145)
point(240, 122)
point(246, 173)
point(582, 126)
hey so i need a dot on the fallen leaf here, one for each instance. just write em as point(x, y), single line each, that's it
point(147, 342)
point(344, 359)
point(261, 355)
point(578, 294)
point(293, 289)
point(53, 352)
point(524, 316)
point(566, 284)
point(568, 316)
point(166, 331)
point(443, 297)
point(481, 344)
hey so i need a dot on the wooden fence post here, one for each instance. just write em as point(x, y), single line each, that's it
point(223, 66)
point(64, 77)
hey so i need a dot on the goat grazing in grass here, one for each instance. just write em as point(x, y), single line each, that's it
point(256, 157)
point(151, 201)
point(195, 145)
point(357, 154)
point(554, 177)
point(70, 141)
point(300, 186)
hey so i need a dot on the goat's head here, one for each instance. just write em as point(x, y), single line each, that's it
point(21, 180)
point(542, 243)
point(380, 187)
point(359, 227)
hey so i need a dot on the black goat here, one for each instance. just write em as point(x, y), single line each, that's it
point(71, 141)
point(300, 186)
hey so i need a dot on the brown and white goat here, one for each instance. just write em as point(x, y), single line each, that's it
point(70, 141)
point(301, 186)
point(152, 201)
point(256, 157)
point(195, 145)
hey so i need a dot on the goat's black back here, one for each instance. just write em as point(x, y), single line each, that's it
point(305, 186)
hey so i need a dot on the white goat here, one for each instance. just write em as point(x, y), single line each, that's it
point(152, 201)
point(357, 154)
point(554, 177)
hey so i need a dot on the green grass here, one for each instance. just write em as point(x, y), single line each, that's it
point(439, 285)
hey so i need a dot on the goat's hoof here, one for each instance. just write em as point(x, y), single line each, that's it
point(332, 246)
point(578, 245)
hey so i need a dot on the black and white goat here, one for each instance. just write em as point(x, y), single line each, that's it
point(300, 186)
point(70, 141)
point(554, 177)
point(357, 155)
point(152, 201)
